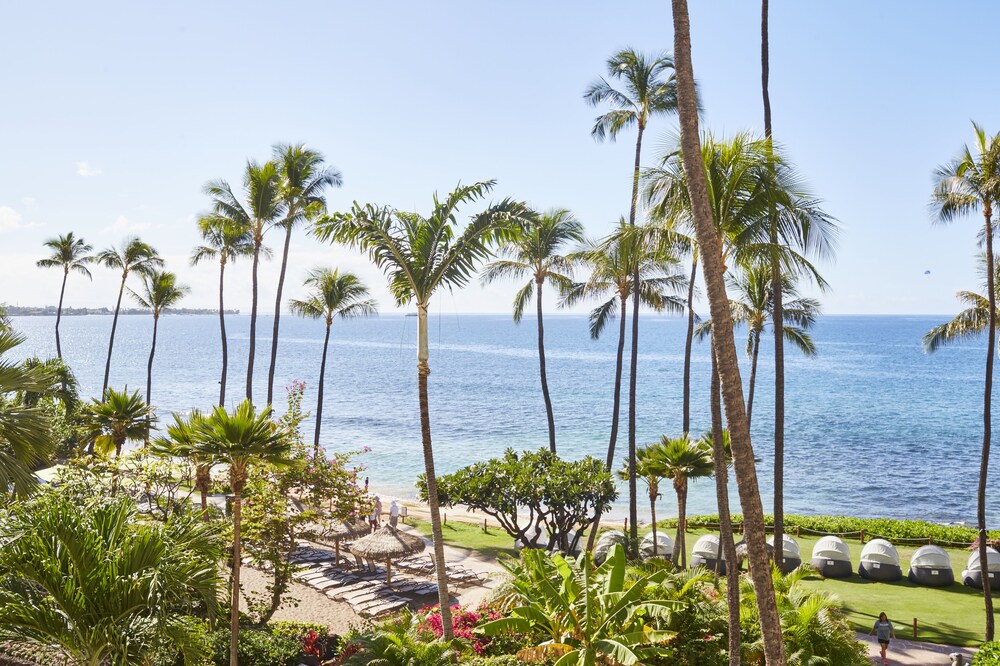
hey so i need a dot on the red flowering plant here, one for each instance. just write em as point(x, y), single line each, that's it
point(463, 622)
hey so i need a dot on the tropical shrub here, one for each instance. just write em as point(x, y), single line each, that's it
point(316, 639)
point(547, 501)
point(257, 647)
point(400, 642)
point(700, 621)
point(495, 660)
point(988, 655)
point(463, 621)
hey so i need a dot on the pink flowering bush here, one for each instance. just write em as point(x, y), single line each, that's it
point(463, 621)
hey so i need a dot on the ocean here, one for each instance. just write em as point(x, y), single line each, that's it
point(874, 426)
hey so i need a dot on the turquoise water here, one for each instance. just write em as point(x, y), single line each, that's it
point(874, 426)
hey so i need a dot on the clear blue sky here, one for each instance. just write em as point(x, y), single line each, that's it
point(115, 114)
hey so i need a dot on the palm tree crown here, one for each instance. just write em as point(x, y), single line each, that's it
point(223, 239)
point(967, 324)
point(70, 253)
point(649, 88)
point(160, 291)
point(134, 256)
point(119, 418)
point(334, 295)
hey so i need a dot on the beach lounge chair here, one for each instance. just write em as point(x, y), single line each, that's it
point(880, 562)
point(831, 557)
point(930, 566)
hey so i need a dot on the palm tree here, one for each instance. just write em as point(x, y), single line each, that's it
point(100, 584)
point(533, 252)
point(160, 292)
point(334, 295)
point(70, 254)
point(682, 459)
point(649, 89)
point(26, 433)
point(419, 256)
point(752, 306)
point(262, 190)
point(303, 179)
point(613, 263)
point(710, 245)
point(969, 323)
point(181, 441)
point(239, 439)
point(968, 183)
point(226, 241)
point(119, 418)
point(133, 256)
point(650, 469)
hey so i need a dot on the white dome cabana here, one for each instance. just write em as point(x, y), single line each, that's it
point(791, 555)
point(664, 546)
point(606, 542)
point(880, 561)
point(931, 566)
point(707, 552)
point(973, 574)
point(831, 556)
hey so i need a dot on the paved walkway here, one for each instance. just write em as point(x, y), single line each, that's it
point(915, 653)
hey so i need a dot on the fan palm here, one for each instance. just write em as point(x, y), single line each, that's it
point(650, 89)
point(160, 292)
point(681, 459)
point(613, 264)
point(533, 252)
point(119, 418)
point(181, 440)
point(650, 469)
point(239, 439)
point(134, 256)
point(226, 242)
point(26, 435)
point(263, 206)
point(419, 256)
point(303, 179)
point(98, 584)
point(710, 246)
point(70, 254)
point(970, 183)
point(333, 295)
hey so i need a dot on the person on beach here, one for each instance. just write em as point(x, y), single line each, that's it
point(883, 628)
point(393, 513)
point(376, 513)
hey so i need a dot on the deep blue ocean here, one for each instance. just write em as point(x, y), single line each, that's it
point(875, 427)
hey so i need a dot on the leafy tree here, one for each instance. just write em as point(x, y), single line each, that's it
point(133, 256)
point(970, 183)
point(70, 254)
point(160, 292)
point(118, 418)
point(544, 498)
point(239, 439)
point(303, 179)
point(26, 435)
point(262, 208)
point(98, 584)
point(333, 295)
point(710, 246)
point(649, 89)
point(227, 242)
point(533, 252)
point(419, 256)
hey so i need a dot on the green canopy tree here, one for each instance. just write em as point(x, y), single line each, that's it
point(533, 252)
point(134, 256)
point(648, 89)
point(262, 208)
point(303, 179)
point(239, 439)
point(160, 292)
point(419, 256)
point(226, 242)
point(971, 183)
point(71, 254)
point(332, 295)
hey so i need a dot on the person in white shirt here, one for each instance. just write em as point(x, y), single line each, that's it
point(393, 513)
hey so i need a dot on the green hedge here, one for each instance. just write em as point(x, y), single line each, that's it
point(988, 655)
point(889, 528)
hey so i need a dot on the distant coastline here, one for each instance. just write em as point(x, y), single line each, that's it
point(50, 311)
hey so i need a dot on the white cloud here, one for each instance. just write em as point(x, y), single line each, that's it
point(122, 225)
point(10, 219)
point(29, 202)
point(84, 169)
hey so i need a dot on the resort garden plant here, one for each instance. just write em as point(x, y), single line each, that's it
point(538, 498)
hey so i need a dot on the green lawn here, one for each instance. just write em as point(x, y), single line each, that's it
point(471, 536)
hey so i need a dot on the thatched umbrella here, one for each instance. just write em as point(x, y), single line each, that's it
point(343, 529)
point(387, 543)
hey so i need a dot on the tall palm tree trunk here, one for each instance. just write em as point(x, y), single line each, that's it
point(111, 342)
point(149, 364)
point(277, 316)
point(722, 331)
point(633, 509)
point(234, 615)
point(615, 410)
point(688, 344)
point(987, 417)
point(753, 376)
point(680, 551)
point(423, 371)
point(541, 369)
point(319, 392)
point(728, 541)
point(253, 321)
point(222, 329)
point(203, 478)
point(62, 291)
point(652, 516)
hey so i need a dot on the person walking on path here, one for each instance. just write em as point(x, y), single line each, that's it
point(376, 514)
point(883, 629)
point(393, 513)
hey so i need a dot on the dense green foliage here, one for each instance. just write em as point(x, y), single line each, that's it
point(256, 648)
point(988, 655)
